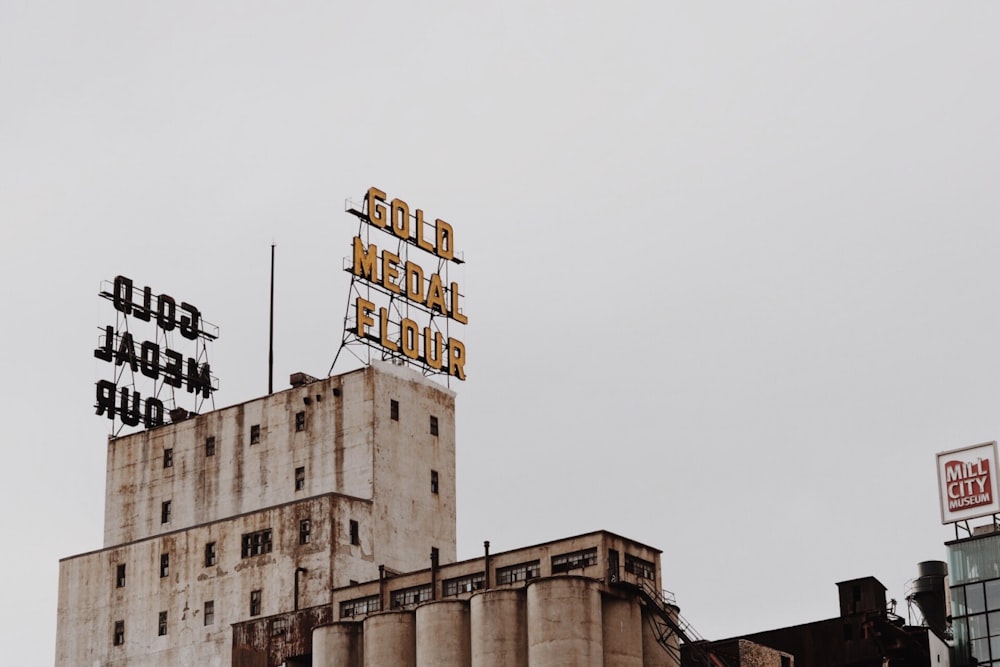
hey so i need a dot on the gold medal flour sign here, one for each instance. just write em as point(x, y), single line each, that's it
point(410, 302)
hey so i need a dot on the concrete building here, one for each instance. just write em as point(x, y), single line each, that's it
point(865, 634)
point(260, 508)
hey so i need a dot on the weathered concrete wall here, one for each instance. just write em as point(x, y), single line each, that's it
point(358, 467)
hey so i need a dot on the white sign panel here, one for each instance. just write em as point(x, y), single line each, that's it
point(967, 482)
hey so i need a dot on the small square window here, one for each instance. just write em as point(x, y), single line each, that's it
point(165, 509)
point(210, 557)
point(164, 565)
point(255, 434)
point(168, 458)
point(119, 633)
point(300, 421)
point(120, 576)
point(434, 481)
point(255, 603)
point(394, 410)
point(162, 625)
point(434, 425)
point(209, 614)
point(355, 533)
point(300, 478)
point(210, 446)
point(305, 529)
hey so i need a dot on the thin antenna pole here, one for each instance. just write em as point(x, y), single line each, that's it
point(270, 344)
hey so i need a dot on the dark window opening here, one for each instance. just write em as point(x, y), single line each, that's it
point(164, 565)
point(255, 603)
point(467, 584)
point(255, 544)
point(360, 606)
point(394, 410)
point(119, 633)
point(210, 557)
point(300, 421)
point(305, 527)
point(434, 481)
point(120, 576)
point(255, 434)
point(519, 572)
point(300, 478)
point(209, 614)
point(165, 512)
point(409, 596)
point(355, 533)
point(162, 626)
point(573, 560)
point(168, 458)
point(639, 567)
point(210, 446)
point(434, 425)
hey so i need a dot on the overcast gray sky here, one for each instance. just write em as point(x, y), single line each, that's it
point(731, 276)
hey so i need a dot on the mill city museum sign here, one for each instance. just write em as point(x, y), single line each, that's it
point(967, 482)
point(143, 350)
point(399, 305)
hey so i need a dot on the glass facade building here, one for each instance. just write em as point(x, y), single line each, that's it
point(974, 573)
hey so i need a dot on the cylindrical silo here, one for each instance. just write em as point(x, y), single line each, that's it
point(498, 620)
point(443, 636)
point(564, 623)
point(391, 639)
point(622, 625)
point(654, 653)
point(338, 645)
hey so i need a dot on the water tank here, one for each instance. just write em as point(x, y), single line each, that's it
point(391, 639)
point(929, 592)
point(443, 635)
point(499, 624)
point(564, 622)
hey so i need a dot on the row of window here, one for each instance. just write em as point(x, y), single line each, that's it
point(504, 575)
point(208, 618)
point(300, 425)
point(251, 544)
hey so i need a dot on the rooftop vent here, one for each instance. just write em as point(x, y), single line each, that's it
point(300, 379)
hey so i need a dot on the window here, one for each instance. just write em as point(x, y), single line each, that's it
point(394, 410)
point(210, 557)
point(164, 565)
point(434, 425)
point(519, 572)
point(466, 584)
point(165, 511)
point(573, 560)
point(360, 606)
point(120, 576)
point(300, 478)
point(300, 421)
point(279, 627)
point(355, 533)
point(409, 596)
point(209, 614)
point(255, 603)
point(255, 434)
point(162, 626)
point(305, 527)
point(168, 458)
point(255, 544)
point(639, 567)
point(119, 633)
point(210, 446)
point(434, 481)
